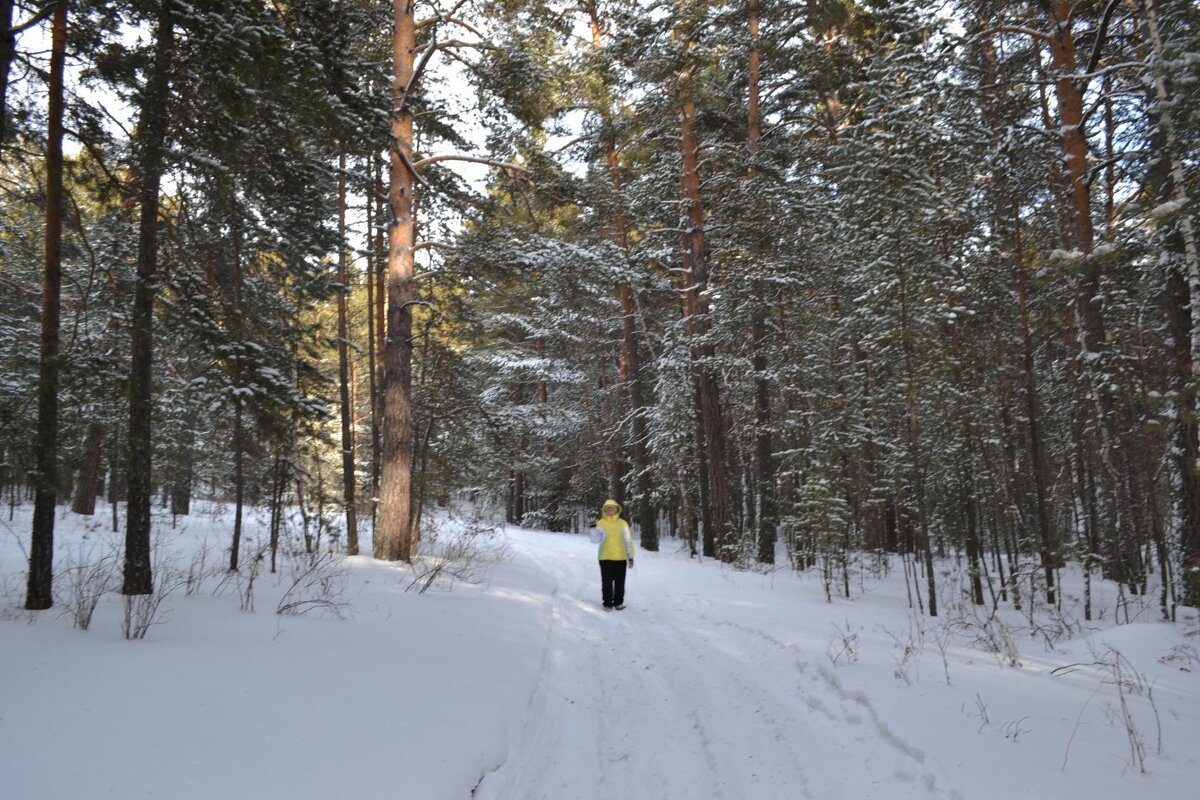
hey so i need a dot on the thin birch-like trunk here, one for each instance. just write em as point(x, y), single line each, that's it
point(347, 409)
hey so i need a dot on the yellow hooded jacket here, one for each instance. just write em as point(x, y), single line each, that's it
point(613, 535)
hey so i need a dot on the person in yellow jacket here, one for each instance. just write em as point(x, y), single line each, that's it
point(616, 553)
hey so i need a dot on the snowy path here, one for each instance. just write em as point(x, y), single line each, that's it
point(714, 684)
point(673, 699)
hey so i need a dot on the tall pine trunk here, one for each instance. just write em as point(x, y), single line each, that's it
point(396, 540)
point(1081, 234)
point(630, 364)
point(152, 135)
point(764, 479)
point(695, 273)
point(39, 594)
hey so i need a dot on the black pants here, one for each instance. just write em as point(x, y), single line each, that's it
point(612, 583)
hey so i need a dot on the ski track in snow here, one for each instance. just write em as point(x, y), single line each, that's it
point(667, 700)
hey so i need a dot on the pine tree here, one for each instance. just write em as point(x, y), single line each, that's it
point(39, 593)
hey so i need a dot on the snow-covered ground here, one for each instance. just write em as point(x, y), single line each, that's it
point(713, 683)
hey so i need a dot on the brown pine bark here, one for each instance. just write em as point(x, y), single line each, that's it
point(695, 274)
point(630, 372)
point(87, 481)
point(1081, 235)
point(347, 410)
point(39, 594)
point(396, 539)
point(630, 363)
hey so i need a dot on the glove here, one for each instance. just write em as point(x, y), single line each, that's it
point(631, 563)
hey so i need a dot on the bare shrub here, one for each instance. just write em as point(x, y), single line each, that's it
point(1183, 656)
point(457, 548)
point(909, 645)
point(981, 713)
point(1116, 671)
point(247, 575)
point(988, 631)
point(12, 585)
point(1059, 624)
point(84, 579)
point(145, 610)
point(1013, 729)
point(843, 645)
point(943, 635)
point(199, 569)
point(210, 510)
point(245, 579)
point(318, 582)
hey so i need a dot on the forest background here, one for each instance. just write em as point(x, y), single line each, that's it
point(818, 280)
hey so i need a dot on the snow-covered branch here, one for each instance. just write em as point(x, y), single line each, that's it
point(424, 162)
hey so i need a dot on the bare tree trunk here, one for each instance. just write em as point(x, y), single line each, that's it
point(630, 364)
point(152, 132)
point(916, 462)
point(708, 540)
point(1038, 457)
point(8, 50)
point(373, 298)
point(1089, 314)
point(396, 539)
point(279, 476)
point(764, 479)
point(966, 489)
point(39, 594)
point(1182, 264)
point(1177, 190)
point(631, 376)
point(239, 418)
point(183, 473)
point(382, 212)
point(1009, 225)
point(695, 273)
point(347, 417)
point(239, 483)
point(88, 481)
point(516, 483)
